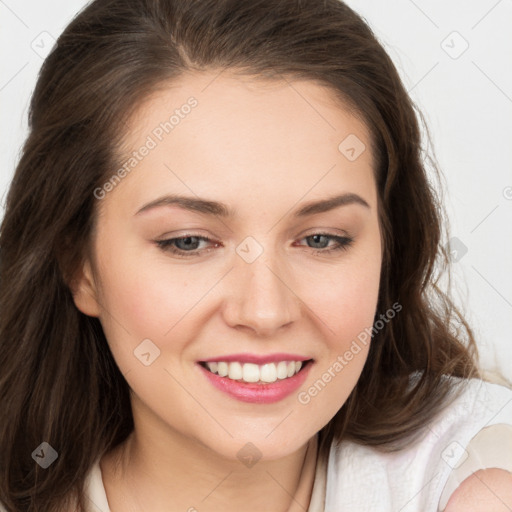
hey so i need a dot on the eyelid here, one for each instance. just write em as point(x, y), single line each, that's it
point(325, 231)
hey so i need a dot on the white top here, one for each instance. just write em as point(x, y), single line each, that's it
point(474, 432)
point(422, 477)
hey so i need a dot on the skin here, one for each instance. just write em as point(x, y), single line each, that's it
point(486, 490)
point(265, 149)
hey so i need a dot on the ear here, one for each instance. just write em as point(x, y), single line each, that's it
point(85, 293)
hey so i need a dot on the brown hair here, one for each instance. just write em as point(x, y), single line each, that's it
point(58, 380)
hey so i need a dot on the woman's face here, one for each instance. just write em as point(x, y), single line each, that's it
point(255, 164)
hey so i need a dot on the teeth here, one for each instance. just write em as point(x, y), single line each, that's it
point(235, 371)
point(250, 372)
point(268, 373)
point(282, 370)
point(222, 368)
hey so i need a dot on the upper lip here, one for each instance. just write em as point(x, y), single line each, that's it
point(256, 358)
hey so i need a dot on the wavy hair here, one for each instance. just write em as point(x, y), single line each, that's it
point(59, 382)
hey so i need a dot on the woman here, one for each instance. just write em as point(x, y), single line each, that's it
point(218, 282)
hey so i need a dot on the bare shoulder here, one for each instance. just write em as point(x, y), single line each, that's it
point(486, 490)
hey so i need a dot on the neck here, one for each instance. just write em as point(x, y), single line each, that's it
point(180, 474)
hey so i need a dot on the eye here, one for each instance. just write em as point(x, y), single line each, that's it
point(183, 246)
point(188, 245)
point(341, 242)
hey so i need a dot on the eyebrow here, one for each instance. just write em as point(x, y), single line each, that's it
point(219, 209)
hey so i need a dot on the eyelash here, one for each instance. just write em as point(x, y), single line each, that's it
point(343, 244)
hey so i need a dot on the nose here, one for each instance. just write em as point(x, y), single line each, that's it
point(259, 296)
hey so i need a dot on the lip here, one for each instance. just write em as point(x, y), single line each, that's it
point(256, 358)
point(258, 393)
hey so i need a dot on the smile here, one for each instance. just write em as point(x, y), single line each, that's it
point(250, 372)
point(256, 383)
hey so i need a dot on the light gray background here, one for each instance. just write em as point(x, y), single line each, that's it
point(465, 94)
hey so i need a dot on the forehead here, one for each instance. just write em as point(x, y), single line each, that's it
point(212, 132)
point(223, 99)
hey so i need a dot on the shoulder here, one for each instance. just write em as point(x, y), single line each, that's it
point(486, 490)
point(417, 475)
point(480, 476)
point(483, 480)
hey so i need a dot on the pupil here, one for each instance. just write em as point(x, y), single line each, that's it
point(187, 242)
point(316, 238)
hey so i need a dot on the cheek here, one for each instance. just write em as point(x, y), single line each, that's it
point(344, 295)
point(348, 317)
point(143, 294)
point(344, 300)
point(347, 311)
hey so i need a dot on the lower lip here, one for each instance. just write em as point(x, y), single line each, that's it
point(258, 393)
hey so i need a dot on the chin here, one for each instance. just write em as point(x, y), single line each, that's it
point(250, 449)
